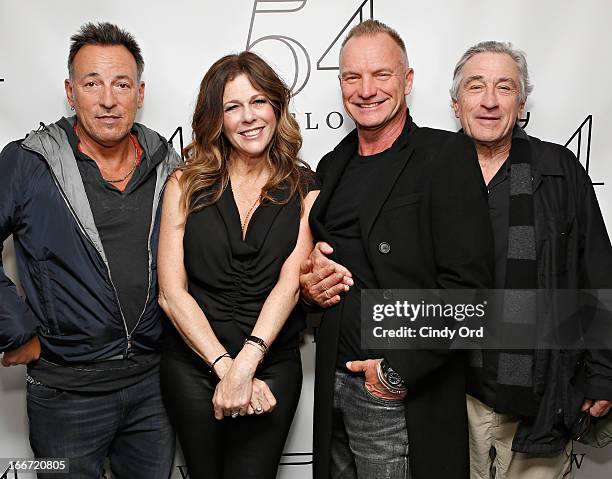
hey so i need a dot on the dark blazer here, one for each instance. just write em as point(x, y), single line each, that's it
point(429, 205)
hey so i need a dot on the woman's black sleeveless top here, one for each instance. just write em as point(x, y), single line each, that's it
point(230, 278)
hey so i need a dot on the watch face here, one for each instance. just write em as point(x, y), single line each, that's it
point(394, 378)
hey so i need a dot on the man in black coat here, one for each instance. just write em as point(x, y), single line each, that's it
point(400, 207)
point(549, 234)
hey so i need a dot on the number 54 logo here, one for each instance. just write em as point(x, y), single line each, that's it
point(300, 70)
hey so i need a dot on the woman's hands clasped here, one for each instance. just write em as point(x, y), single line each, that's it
point(238, 392)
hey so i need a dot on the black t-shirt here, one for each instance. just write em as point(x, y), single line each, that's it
point(342, 222)
point(484, 387)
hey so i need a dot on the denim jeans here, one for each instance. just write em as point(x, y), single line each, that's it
point(129, 426)
point(370, 439)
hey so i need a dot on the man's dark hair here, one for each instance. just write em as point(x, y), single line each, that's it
point(107, 34)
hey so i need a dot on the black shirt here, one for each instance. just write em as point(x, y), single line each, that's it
point(499, 213)
point(342, 221)
point(498, 188)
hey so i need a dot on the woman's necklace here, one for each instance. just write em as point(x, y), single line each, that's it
point(248, 215)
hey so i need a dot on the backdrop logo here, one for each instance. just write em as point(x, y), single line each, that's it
point(300, 64)
point(576, 143)
point(299, 73)
point(579, 144)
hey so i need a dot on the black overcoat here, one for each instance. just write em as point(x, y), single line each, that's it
point(428, 203)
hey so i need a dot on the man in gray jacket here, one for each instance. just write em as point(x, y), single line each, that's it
point(80, 198)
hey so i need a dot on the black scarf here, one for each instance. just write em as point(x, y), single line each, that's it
point(515, 368)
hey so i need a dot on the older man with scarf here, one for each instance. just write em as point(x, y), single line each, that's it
point(548, 233)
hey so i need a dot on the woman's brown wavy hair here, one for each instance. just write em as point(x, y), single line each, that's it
point(205, 174)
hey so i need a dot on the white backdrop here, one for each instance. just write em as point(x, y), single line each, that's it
point(563, 39)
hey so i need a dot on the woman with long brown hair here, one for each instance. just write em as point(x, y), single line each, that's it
point(234, 231)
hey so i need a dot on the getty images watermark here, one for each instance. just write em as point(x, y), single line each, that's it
point(486, 319)
point(414, 312)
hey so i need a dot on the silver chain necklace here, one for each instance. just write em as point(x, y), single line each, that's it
point(119, 180)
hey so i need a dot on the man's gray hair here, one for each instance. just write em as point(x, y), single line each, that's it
point(525, 87)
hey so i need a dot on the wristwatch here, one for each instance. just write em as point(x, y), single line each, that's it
point(390, 379)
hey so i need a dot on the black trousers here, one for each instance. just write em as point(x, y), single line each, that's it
point(240, 448)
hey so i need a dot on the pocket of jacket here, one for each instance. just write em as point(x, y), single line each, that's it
point(48, 299)
point(559, 230)
point(403, 200)
point(563, 229)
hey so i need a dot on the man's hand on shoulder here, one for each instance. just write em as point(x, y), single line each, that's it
point(323, 280)
point(24, 354)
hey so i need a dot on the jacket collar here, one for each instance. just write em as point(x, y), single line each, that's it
point(380, 186)
point(397, 157)
point(541, 165)
point(341, 154)
point(52, 144)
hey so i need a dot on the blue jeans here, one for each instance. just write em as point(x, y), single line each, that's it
point(129, 426)
point(370, 439)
